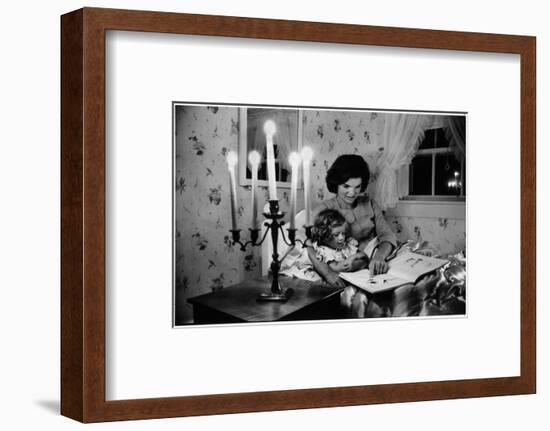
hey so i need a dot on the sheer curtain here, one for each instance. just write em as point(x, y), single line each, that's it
point(455, 132)
point(402, 135)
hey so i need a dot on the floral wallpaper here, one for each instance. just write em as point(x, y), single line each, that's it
point(448, 235)
point(205, 259)
point(331, 133)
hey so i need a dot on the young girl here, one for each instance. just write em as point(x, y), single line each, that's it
point(339, 251)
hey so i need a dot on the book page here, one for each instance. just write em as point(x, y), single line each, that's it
point(411, 266)
point(377, 283)
point(404, 269)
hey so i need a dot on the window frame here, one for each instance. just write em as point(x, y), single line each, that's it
point(403, 176)
point(243, 147)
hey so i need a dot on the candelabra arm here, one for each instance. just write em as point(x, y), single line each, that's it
point(308, 241)
point(264, 235)
point(254, 232)
point(236, 234)
point(236, 237)
point(291, 236)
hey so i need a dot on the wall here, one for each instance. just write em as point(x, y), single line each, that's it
point(447, 234)
point(205, 259)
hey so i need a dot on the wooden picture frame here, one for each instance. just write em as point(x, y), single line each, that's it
point(83, 335)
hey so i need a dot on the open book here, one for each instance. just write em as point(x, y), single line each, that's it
point(404, 269)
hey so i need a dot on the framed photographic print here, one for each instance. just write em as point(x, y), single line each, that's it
point(217, 219)
point(213, 290)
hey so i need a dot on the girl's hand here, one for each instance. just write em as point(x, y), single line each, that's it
point(333, 279)
point(347, 265)
point(342, 266)
point(358, 261)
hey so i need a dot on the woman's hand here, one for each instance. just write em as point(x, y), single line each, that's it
point(378, 265)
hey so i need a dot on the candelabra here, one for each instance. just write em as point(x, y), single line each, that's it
point(274, 226)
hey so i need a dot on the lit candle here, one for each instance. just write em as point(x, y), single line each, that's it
point(254, 160)
point(269, 130)
point(294, 159)
point(307, 155)
point(232, 160)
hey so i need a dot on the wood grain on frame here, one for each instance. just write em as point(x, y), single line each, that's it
point(72, 353)
point(83, 214)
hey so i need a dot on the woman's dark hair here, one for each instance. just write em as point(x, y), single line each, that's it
point(345, 167)
point(324, 222)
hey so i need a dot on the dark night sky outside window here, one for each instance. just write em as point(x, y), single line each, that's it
point(435, 170)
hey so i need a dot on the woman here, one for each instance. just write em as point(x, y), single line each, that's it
point(348, 178)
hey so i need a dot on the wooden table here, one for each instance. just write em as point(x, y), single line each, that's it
point(310, 301)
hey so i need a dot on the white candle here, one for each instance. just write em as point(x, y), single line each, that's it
point(254, 159)
point(232, 160)
point(307, 155)
point(294, 159)
point(269, 130)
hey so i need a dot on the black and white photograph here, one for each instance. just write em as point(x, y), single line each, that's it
point(285, 213)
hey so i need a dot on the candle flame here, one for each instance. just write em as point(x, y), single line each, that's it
point(269, 128)
point(294, 159)
point(232, 159)
point(254, 158)
point(307, 154)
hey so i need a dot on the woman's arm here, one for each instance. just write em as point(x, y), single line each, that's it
point(387, 241)
point(384, 233)
point(324, 270)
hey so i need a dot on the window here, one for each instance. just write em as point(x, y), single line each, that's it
point(436, 172)
point(282, 170)
point(287, 138)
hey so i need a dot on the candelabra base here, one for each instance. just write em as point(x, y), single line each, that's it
point(275, 297)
